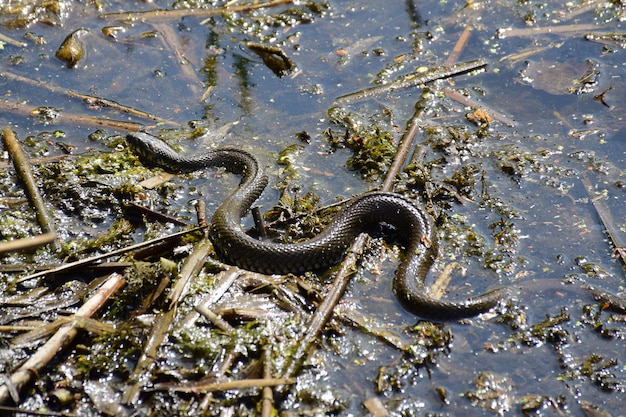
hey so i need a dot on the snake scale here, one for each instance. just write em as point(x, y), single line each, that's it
point(361, 213)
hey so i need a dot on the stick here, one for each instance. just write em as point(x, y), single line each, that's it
point(25, 173)
point(191, 267)
point(200, 206)
point(563, 29)
point(28, 243)
point(259, 224)
point(45, 330)
point(225, 386)
point(223, 282)
point(61, 339)
point(172, 42)
point(142, 373)
point(20, 411)
point(217, 321)
point(414, 79)
point(82, 262)
point(26, 110)
point(325, 310)
point(467, 101)
point(164, 15)
point(37, 161)
point(460, 44)
point(404, 148)
point(607, 220)
point(11, 41)
point(88, 99)
point(160, 217)
point(267, 405)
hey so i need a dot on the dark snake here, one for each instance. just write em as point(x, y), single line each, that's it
point(326, 249)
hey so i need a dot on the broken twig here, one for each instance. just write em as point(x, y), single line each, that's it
point(164, 15)
point(61, 339)
point(25, 173)
point(469, 102)
point(223, 281)
point(267, 405)
point(607, 220)
point(404, 148)
point(141, 374)
point(414, 79)
point(88, 99)
point(172, 41)
point(458, 47)
point(25, 110)
point(11, 41)
point(27, 243)
point(546, 30)
point(224, 386)
point(325, 310)
point(86, 261)
point(190, 269)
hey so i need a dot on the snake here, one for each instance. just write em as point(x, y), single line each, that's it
point(361, 213)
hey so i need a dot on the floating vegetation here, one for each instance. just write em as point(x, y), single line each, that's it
point(602, 372)
point(112, 354)
point(268, 27)
point(92, 186)
point(562, 77)
point(615, 39)
point(492, 393)
point(301, 215)
point(464, 183)
point(28, 12)
point(72, 50)
point(550, 331)
point(274, 58)
point(373, 147)
point(430, 341)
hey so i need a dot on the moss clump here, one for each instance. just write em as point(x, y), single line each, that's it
point(298, 216)
point(431, 341)
point(373, 147)
point(113, 354)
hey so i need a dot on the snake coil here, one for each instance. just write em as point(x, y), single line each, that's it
point(362, 212)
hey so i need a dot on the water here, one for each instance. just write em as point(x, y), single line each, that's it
point(525, 218)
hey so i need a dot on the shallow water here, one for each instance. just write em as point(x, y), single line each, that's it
point(527, 221)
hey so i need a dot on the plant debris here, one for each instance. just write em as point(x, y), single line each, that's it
point(562, 77)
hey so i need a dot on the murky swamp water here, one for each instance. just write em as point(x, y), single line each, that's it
point(522, 196)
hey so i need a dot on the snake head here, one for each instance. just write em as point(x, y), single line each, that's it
point(152, 150)
point(143, 144)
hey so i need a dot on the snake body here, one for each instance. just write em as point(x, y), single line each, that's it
point(361, 213)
